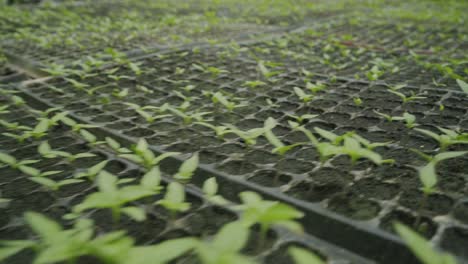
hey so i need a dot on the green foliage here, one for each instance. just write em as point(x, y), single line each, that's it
point(422, 248)
point(303, 256)
point(279, 147)
point(448, 138)
point(113, 197)
point(143, 155)
point(187, 169)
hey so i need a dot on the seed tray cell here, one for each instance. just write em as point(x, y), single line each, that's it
point(297, 178)
point(202, 220)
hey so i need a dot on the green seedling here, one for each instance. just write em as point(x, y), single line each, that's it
point(45, 113)
point(162, 253)
point(463, 86)
point(114, 198)
point(56, 245)
point(174, 200)
point(187, 169)
point(271, 103)
point(135, 68)
point(220, 98)
point(406, 99)
point(249, 137)
point(427, 173)
point(448, 138)
point(47, 152)
point(56, 70)
point(143, 89)
point(267, 213)
point(149, 117)
point(74, 125)
point(409, 119)
point(325, 149)
point(39, 131)
point(18, 101)
point(144, 156)
point(77, 85)
point(117, 78)
point(220, 131)
point(355, 151)
point(113, 144)
point(397, 87)
point(374, 73)
point(14, 126)
point(357, 101)
point(210, 190)
point(4, 109)
point(303, 256)
point(188, 118)
point(225, 246)
point(53, 185)
point(90, 138)
point(421, 248)
point(279, 147)
point(120, 94)
point(300, 119)
point(316, 87)
point(366, 143)
point(302, 95)
point(13, 162)
point(93, 171)
point(265, 71)
point(254, 84)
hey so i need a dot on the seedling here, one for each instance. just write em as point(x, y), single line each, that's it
point(302, 95)
point(90, 138)
point(114, 198)
point(39, 131)
point(357, 101)
point(149, 117)
point(448, 138)
point(135, 68)
point(421, 248)
point(220, 131)
point(220, 98)
point(93, 171)
point(47, 152)
point(13, 162)
point(303, 256)
point(410, 120)
point(316, 87)
point(120, 94)
point(404, 98)
point(225, 245)
point(267, 213)
point(279, 147)
point(52, 185)
point(56, 245)
point(174, 200)
point(74, 125)
point(77, 85)
point(249, 137)
point(14, 126)
point(463, 86)
point(144, 156)
point(210, 190)
point(254, 84)
point(188, 118)
point(300, 119)
point(374, 73)
point(265, 72)
point(113, 144)
point(187, 169)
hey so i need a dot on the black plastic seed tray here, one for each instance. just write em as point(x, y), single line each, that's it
point(202, 220)
point(341, 202)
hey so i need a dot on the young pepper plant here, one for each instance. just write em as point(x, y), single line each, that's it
point(111, 196)
point(448, 138)
point(144, 156)
point(267, 213)
point(47, 152)
point(174, 200)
